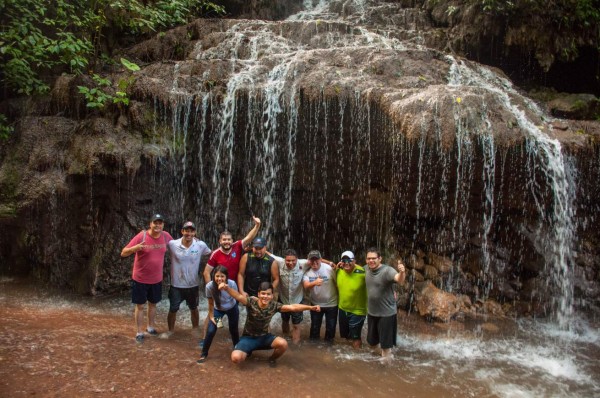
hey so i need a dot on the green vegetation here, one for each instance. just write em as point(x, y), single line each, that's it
point(99, 96)
point(567, 25)
point(39, 39)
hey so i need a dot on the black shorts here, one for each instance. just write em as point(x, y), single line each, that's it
point(382, 330)
point(297, 317)
point(178, 294)
point(142, 292)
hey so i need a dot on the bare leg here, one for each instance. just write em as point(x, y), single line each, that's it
point(296, 334)
point(386, 355)
point(195, 318)
point(285, 327)
point(238, 356)
point(279, 346)
point(139, 317)
point(151, 315)
point(171, 318)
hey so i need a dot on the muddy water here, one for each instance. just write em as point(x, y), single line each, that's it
point(53, 344)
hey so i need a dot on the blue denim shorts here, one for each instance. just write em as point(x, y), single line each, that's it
point(253, 343)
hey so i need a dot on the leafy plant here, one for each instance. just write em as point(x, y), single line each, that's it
point(39, 38)
point(98, 97)
point(5, 128)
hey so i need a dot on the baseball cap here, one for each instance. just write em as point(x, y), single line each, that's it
point(314, 254)
point(157, 217)
point(348, 254)
point(189, 224)
point(259, 242)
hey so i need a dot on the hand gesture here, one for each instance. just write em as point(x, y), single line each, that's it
point(139, 246)
point(316, 308)
point(222, 285)
point(318, 281)
point(256, 220)
point(401, 266)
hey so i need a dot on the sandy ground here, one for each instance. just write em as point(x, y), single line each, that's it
point(63, 349)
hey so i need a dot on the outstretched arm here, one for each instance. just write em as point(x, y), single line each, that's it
point(300, 307)
point(234, 293)
point(252, 234)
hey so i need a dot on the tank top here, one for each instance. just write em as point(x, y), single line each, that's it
point(257, 270)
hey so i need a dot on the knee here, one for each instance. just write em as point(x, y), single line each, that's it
point(238, 356)
point(280, 344)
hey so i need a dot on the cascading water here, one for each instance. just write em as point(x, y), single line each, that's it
point(329, 162)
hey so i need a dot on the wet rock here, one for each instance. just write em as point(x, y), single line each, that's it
point(490, 327)
point(442, 264)
point(430, 272)
point(575, 106)
point(435, 304)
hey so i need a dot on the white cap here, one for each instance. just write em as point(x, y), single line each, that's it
point(348, 254)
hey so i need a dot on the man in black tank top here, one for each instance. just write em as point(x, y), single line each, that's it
point(257, 267)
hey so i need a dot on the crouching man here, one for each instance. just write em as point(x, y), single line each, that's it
point(260, 310)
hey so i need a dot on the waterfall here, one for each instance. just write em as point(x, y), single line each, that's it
point(345, 161)
point(556, 227)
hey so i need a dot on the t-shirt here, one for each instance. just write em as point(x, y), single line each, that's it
point(258, 319)
point(380, 289)
point(185, 262)
point(325, 295)
point(227, 302)
point(230, 261)
point(148, 262)
point(352, 290)
point(290, 286)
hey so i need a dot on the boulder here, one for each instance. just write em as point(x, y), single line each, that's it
point(436, 304)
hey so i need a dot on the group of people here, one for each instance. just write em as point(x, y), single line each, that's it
point(265, 284)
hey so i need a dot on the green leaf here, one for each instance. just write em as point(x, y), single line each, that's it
point(130, 65)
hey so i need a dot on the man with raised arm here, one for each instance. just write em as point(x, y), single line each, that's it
point(381, 308)
point(256, 334)
point(228, 254)
point(149, 247)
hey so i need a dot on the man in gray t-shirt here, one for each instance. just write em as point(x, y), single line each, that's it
point(381, 307)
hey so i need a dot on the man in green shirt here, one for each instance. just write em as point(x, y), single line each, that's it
point(352, 290)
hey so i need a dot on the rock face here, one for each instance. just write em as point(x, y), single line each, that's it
point(338, 134)
point(435, 304)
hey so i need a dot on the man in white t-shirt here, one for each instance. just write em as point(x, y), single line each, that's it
point(187, 253)
point(320, 281)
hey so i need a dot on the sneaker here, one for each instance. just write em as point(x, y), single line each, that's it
point(219, 322)
point(165, 335)
point(139, 338)
point(152, 332)
point(202, 359)
point(272, 363)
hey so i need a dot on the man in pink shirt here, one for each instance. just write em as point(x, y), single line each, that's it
point(149, 247)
